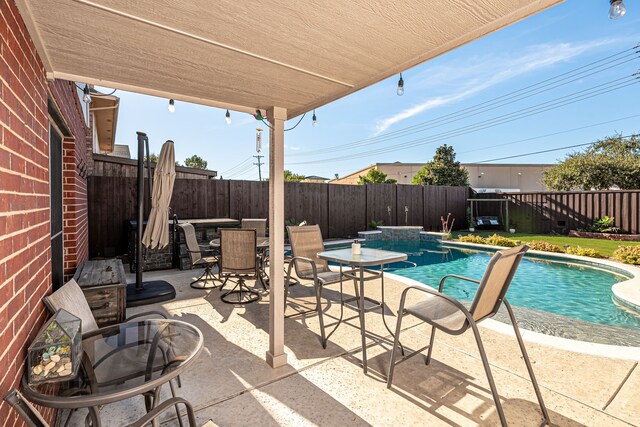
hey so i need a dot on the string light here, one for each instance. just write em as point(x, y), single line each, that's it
point(314, 120)
point(172, 106)
point(227, 118)
point(400, 90)
point(87, 96)
point(617, 9)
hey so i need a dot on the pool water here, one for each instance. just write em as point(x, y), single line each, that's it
point(576, 291)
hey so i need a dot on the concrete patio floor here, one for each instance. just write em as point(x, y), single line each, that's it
point(231, 385)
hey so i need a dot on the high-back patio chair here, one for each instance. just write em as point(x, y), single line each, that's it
point(33, 418)
point(258, 224)
point(449, 315)
point(306, 242)
point(200, 257)
point(239, 260)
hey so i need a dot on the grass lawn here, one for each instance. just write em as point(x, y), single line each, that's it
point(605, 247)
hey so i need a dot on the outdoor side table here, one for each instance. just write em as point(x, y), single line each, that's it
point(122, 361)
point(360, 274)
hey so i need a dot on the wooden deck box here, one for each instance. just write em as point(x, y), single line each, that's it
point(105, 287)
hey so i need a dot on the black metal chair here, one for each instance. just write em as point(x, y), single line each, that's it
point(239, 260)
point(33, 418)
point(200, 257)
point(449, 315)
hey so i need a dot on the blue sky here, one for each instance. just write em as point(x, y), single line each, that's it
point(450, 99)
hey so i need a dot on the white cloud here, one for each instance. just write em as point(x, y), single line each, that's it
point(481, 73)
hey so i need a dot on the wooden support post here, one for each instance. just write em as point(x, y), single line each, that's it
point(276, 356)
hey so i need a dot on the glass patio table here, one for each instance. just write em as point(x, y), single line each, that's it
point(122, 361)
point(359, 273)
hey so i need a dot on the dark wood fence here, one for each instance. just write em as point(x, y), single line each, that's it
point(563, 211)
point(340, 210)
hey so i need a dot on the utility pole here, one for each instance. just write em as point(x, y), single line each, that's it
point(259, 163)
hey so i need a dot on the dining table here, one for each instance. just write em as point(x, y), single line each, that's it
point(122, 361)
point(360, 271)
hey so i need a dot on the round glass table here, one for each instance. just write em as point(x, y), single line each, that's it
point(122, 361)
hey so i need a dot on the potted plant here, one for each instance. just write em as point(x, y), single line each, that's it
point(512, 228)
point(471, 221)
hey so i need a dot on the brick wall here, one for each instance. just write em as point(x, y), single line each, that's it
point(74, 177)
point(25, 251)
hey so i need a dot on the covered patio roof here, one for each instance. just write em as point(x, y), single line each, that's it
point(247, 55)
point(276, 55)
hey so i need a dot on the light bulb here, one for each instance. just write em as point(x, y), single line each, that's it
point(172, 106)
point(400, 90)
point(617, 9)
point(87, 96)
point(227, 118)
point(314, 120)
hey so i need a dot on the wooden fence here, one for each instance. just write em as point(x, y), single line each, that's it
point(563, 211)
point(340, 210)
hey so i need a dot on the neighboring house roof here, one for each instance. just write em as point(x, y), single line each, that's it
point(121, 150)
point(316, 177)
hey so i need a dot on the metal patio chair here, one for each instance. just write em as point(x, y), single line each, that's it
point(200, 257)
point(306, 242)
point(258, 224)
point(33, 418)
point(71, 298)
point(450, 316)
point(239, 259)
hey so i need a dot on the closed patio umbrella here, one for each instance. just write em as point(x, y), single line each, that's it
point(156, 234)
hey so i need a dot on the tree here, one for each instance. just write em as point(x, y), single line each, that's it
point(195, 162)
point(153, 158)
point(292, 177)
point(442, 170)
point(611, 162)
point(374, 176)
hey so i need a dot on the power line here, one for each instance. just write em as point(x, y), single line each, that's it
point(549, 134)
point(495, 121)
point(233, 168)
point(484, 105)
point(542, 151)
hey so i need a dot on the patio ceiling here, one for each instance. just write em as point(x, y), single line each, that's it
point(254, 55)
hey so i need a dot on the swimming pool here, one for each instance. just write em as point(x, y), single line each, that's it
point(568, 291)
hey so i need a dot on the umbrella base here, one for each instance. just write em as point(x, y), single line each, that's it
point(151, 292)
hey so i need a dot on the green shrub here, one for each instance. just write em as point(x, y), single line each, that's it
point(628, 254)
point(579, 250)
point(472, 238)
point(497, 240)
point(375, 224)
point(606, 224)
point(539, 245)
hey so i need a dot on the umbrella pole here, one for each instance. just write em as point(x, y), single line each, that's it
point(142, 138)
point(151, 292)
